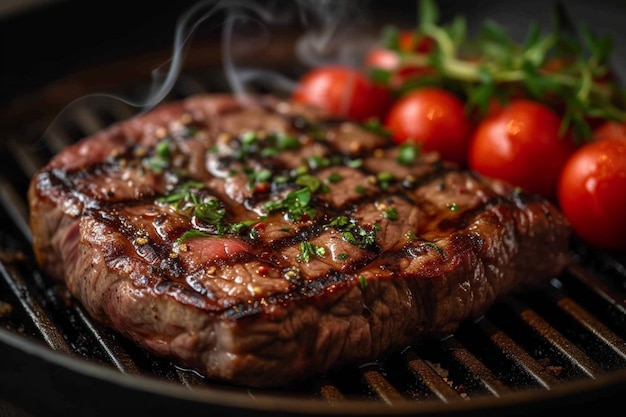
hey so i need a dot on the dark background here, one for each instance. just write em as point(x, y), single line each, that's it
point(43, 40)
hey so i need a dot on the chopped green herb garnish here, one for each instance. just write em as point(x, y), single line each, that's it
point(408, 153)
point(181, 193)
point(384, 178)
point(295, 203)
point(435, 246)
point(334, 177)
point(249, 137)
point(343, 256)
point(187, 199)
point(301, 170)
point(362, 238)
point(317, 161)
point(307, 250)
point(375, 126)
point(285, 141)
point(210, 211)
point(240, 226)
point(262, 176)
point(162, 157)
point(278, 143)
point(339, 221)
point(267, 145)
point(310, 181)
point(362, 281)
point(353, 232)
point(280, 179)
point(191, 130)
point(191, 234)
point(390, 213)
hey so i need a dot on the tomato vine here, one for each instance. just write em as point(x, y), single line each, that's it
point(567, 68)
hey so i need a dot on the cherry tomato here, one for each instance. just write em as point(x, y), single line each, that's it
point(434, 118)
point(343, 91)
point(610, 130)
point(389, 60)
point(411, 41)
point(592, 192)
point(408, 41)
point(521, 144)
point(382, 58)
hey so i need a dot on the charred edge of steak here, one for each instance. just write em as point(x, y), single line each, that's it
point(208, 220)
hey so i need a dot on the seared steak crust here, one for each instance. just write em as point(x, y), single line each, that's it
point(261, 242)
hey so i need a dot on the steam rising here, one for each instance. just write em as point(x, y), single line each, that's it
point(334, 32)
point(330, 34)
point(329, 28)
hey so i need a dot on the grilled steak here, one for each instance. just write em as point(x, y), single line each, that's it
point(261, 242)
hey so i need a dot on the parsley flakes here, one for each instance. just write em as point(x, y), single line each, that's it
point(308, 250)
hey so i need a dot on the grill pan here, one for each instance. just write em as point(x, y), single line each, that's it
point(560, 348)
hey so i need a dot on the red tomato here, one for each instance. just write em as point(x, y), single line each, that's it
point(592, 192)
point(389, 60)
point(382, 58)
point(521, 144)
point(414, 42)
point(434, 118)
point(408, 41)
point(610, 130)
point(343, 91)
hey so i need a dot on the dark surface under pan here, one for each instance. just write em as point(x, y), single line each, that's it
point(561, 348)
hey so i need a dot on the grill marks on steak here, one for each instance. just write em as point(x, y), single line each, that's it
point(264, 243)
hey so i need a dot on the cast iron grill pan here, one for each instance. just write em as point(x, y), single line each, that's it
point(561, 347)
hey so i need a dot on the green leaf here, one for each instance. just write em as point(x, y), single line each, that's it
point(600, 47)
point(457, 30)
point(533, 36)
point(485, 76)
point(379, 76)
point(428, 13)
point(495, 32)
point(494, 66)
point(420, 82)
point(480, 97)
point(536, 47)
point(191, 234)
point(391, 38)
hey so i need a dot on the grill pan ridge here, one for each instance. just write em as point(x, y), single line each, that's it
point(560, 348)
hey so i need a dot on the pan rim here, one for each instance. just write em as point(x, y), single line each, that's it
point(240, 398)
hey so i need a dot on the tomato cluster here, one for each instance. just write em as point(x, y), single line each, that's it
point(521, 141)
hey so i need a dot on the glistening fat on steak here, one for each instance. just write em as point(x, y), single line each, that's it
point(263, 242)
